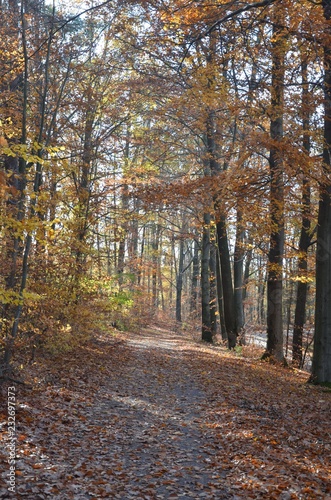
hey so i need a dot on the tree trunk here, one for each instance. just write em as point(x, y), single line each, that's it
point(155, 261)
point(321, 366)
point(179, 281)
point(205, 281)
point(222, 241)
point(125, 208)
point(238, 276)
point(276, 244)
point(228, 297)
point(213, 286)
point(195, 277)
point(83, 192)
point(141, 256)
point(220, 298)
point(290, 293)
point(18, 246)
point(248, 261)
point(262, 287)
point(305, 236)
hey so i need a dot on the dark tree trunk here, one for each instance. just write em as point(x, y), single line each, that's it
point(83, 192)
point(19, 211)
point(321, 366)
point(125, 208)
point(222, 241)
point(228, 297)
point(221, 235)
point(305, 235)
point(179, 282)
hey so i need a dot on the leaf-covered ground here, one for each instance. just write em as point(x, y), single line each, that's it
point(156, 415)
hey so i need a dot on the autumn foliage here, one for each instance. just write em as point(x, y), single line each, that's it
point(162, 157)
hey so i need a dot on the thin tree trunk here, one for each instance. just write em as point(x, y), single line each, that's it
point(125, 207)
point(195, 277)
point(172, 270)
point(213, 285)
point(305, 236)
point(155, 267)
point(288, 315)
point(261, 296)
point(238, 277)
point(141, 257)
point(220, 298)
point(205, 280)
point(179, 281)
point(248, 261)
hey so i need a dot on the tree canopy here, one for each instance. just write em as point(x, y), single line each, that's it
point(166, 156)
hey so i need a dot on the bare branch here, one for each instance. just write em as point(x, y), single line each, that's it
point(235, 13)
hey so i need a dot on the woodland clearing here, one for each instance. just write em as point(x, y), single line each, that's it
point(158, 415)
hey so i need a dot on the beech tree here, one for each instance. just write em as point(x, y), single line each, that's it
point(276, 244)
point(321, 369)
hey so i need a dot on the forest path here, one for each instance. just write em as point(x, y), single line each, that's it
point(155, 415)
point(161, 434)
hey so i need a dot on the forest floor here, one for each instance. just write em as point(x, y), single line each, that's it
point(158, 415)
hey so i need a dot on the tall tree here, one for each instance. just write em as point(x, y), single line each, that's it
point(305, 233)
point(321, 366)
point(276, 244)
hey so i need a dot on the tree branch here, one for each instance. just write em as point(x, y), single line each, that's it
point(234, 13)
point(231, 15)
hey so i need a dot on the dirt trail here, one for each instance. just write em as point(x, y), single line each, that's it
point(158, 416)
point(161, 436)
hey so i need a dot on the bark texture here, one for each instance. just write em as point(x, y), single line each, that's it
point(321, 367)
point(276, 245)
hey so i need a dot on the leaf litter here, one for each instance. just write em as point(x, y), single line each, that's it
point(156, 415)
